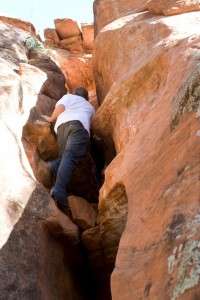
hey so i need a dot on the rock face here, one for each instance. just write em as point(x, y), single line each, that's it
point(41, 254)
point(27, 26)
point(66, 28)
point(77, 69)
point(88, 37)
point(169, 8)
point(72, 50)
point(149, 120)
point(106, 11)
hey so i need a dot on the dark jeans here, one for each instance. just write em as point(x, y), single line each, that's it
point(73, 140)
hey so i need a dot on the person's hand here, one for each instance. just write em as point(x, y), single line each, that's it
point(46, 118)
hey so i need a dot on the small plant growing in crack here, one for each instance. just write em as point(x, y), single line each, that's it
point(33, 44)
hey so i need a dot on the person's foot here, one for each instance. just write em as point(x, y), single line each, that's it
point(64, 208)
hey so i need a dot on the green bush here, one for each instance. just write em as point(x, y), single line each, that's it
point(32, 44)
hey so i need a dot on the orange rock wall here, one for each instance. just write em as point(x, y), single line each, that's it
point(106, 11)
point(149, 95)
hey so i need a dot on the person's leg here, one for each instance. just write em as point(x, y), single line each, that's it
point(75, 148)
point(53, 166)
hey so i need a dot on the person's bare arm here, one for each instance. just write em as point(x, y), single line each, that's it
point(57, 111)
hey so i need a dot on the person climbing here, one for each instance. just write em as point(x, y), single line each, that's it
point(73, 114)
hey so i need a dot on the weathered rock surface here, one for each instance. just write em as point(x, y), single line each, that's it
point(88, 36)
point(83, 213)
point(69, 34)
point(51, 37)
point(171, 7)
point(72, 50)
point(24, 25)
point(106, 11)
point(149, 94)
point(66, 28)
point(77, 68)
point(40, 256)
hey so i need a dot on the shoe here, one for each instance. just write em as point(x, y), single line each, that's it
point(64, 208)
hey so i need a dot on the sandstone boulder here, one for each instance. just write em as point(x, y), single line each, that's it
point(83, 213)
point(73, 44)
point(74, 40)
point(66, 28)
point(51, 37)
point(88, 37)
point(76, 48)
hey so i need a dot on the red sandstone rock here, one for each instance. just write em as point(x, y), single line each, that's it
point(88, 37)
point(51, 37)
point(40, 137)
point(83, 213)
point(73, 44)
point(148, 88)
point(74, 40)
point(50, 43)
point(106, 11)
point(77, 69)
point(74, 48)
point(61, 225)
point(24, 25)
point(66, 28)
point(172, 7)
point(93, 99)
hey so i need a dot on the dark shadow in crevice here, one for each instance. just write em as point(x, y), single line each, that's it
point(102, 242)
point(64, 268)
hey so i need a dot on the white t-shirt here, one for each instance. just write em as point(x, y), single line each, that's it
point(76, 108)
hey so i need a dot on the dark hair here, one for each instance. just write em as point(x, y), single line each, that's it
point(81, 91)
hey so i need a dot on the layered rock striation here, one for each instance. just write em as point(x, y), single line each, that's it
point(148, 91)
